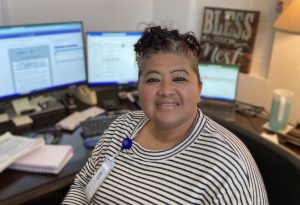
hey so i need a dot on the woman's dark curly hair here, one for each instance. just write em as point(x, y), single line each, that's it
point(161, 40)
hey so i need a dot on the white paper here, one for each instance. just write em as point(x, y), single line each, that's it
point(13, 147)
point(4, 117)
point(21, 104)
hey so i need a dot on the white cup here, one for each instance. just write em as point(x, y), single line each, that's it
point(280, 110)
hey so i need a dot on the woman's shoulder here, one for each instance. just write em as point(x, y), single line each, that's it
point(225, 138)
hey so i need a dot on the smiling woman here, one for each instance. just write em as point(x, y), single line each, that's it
point(178, 155)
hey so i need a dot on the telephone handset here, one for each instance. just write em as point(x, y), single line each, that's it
point(85, 95)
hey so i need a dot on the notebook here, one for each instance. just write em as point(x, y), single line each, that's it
point(13, 147)
point(219, 89)
point(47, 159)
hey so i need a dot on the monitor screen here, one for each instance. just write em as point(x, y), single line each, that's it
point(41, 57)
point(111, 58)
point(219, 81)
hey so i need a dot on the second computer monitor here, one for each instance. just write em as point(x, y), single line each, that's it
point(219, 81)
point(111, 58)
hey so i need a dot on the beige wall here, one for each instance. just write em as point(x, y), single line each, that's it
point(103, 15)
point(2, 16)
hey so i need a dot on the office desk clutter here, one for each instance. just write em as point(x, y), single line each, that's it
point(86, 95)
point(96, 127)
point(13, 147)
point(32, 154)
point(4, 117)
point(72, 121)
point(22, 120)
point(292, 136)
point(49, 159)
point(92, 130)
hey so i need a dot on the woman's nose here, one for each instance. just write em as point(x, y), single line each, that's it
point(166, 88)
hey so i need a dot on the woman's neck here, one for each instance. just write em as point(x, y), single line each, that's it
point(155, 137)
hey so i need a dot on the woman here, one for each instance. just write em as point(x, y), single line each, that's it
point(178, 155)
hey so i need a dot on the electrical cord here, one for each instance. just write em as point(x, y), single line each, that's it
point(250, 112)
point(51, 136)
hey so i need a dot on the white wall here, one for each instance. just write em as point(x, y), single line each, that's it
point(2, 12)
point(274, 63)
point(103, 15)
point(171, 13)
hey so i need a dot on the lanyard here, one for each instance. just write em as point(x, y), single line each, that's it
point(109, 163)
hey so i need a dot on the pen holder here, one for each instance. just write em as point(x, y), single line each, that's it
point(280, 110)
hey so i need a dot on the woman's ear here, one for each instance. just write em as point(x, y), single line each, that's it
point(200, 90)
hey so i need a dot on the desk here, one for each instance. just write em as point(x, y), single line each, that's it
point(254, 124)
point(19, 187)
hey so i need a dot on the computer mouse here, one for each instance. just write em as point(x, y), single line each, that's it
point(90, 143)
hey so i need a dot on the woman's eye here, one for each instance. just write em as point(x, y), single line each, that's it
point(152, 80)
point(179, 79)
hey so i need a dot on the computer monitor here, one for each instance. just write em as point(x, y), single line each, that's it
point(40, 57)
point(111, 58)
point(219, 81)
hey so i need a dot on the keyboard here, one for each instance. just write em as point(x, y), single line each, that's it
point(96, 126)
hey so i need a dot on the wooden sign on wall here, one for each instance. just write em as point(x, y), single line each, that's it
point(228, 36)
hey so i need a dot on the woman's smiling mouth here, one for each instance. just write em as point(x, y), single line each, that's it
point(167, 105)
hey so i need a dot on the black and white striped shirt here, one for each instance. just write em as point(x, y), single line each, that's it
point(210, 166)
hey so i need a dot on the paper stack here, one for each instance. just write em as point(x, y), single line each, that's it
point(46, 159)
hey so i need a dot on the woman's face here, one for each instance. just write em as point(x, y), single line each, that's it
point(169, 90)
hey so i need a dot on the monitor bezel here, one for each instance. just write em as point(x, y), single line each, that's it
point(52, 88)
point(236, 88)
point(108, 84)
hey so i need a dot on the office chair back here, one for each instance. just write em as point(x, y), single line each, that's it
point(279, 168)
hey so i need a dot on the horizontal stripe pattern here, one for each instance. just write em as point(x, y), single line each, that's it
point(210, 166)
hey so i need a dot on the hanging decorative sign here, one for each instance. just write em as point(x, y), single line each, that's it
point(228, 36)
